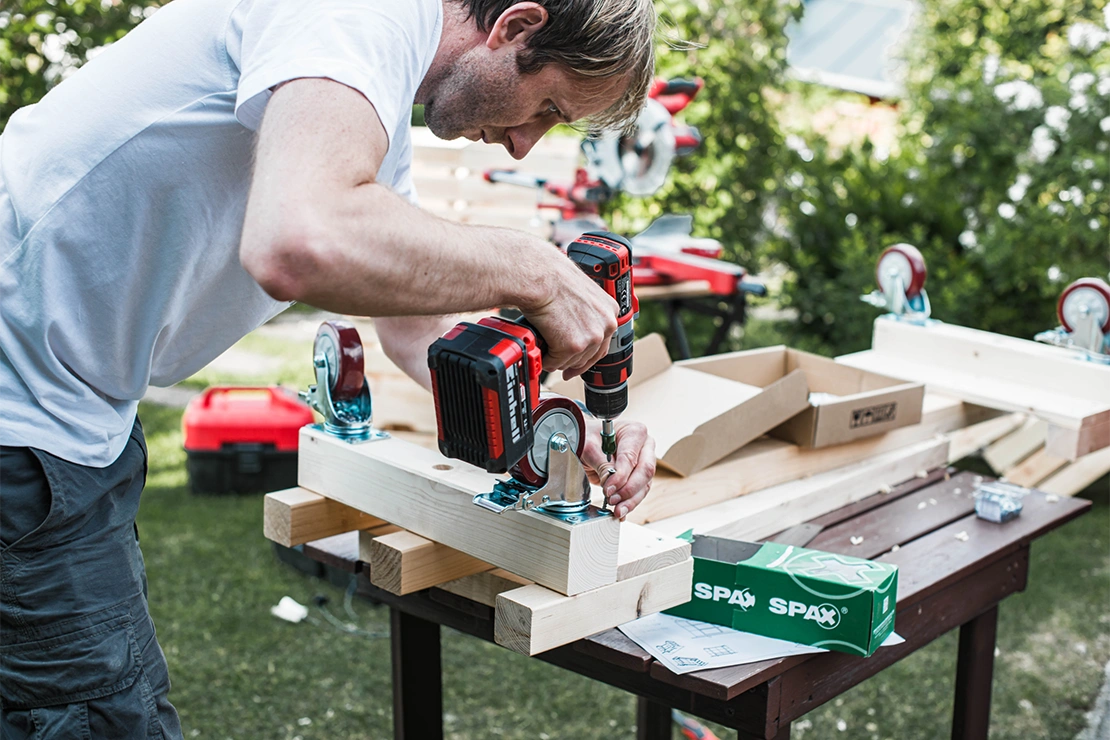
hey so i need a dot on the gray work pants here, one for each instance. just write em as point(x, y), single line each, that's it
point(78, 654)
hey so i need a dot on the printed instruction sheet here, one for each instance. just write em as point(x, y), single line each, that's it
point(686, 645)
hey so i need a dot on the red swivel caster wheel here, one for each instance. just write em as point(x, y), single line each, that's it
point(553, 414)
point(338, 342)
point(901, 262)
point(1086, 297)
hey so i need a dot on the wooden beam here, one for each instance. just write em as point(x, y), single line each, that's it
point(968, 441)
point(295, 516)
point(1019, 444)
point(431, 496)
point(765, 512)
point(999, 371)
point(1034, 469)
point(1078, 475)
point(768, 462)
point(484, 587)
point(642, 551)
point(532, 619)
point(403, 562)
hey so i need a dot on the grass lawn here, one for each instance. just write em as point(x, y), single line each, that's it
point(240, 673)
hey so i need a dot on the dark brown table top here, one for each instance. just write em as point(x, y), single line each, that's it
point(953, 567)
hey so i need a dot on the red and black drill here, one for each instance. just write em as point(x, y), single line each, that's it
point(486, 379)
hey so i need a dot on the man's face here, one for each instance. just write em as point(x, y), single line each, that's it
point(485, 97)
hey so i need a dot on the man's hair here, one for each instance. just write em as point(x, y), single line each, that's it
point(593, 39)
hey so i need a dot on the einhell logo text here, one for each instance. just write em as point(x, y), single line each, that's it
point(873, 415)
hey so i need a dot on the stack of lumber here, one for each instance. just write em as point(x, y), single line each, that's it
point(551, 582)
point(448, 179)
point(1071, 395)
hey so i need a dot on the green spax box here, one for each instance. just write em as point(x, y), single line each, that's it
point(816, 598)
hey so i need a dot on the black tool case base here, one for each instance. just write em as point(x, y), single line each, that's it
point(241, 468)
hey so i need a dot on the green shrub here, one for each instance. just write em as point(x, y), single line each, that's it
point(1001, 177)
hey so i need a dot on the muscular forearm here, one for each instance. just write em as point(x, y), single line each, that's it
point(320, 228)
point(367, 251)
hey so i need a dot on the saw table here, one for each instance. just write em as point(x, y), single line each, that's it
point(955, 569)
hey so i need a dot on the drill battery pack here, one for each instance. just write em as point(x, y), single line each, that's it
point(243, 440)
point(485, 380)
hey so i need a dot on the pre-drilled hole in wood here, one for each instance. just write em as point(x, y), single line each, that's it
point(441, 466)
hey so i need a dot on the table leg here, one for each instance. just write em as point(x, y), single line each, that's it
point(417, 679)
point(974, 671)
point(678, 330)
point(653, 720)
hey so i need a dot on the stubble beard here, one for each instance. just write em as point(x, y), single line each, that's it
point(470, 97)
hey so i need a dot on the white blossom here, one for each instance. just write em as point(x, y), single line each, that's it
point(1096, 185)
point(1103, 86)
point(1104, 124)
point(1007, 211)
point(851, 220)
point(1019, 95)
point(1086, 37)
point(1054, 274)
point(1093, 223)
point(1079, 102)
point(968, 240)
point(53, 48)
point(1076, 195)
point(1056, 209)
point(1021, 185)
point(990, 68)
point(1065, 195)
point(1081, 82)
point(1042, 146)
point(1056, 117)
point(807, 208)
point(796, 179)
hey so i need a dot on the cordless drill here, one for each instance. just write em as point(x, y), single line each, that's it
point(485, 376)
point(607, 258)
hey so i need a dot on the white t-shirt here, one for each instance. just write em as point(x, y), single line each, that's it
point(122, 195)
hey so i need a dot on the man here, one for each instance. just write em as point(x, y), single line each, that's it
point(137, 245)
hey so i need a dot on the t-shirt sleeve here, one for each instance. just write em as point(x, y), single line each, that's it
point(378, 48)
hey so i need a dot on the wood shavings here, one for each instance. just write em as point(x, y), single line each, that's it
point(932, 502)
point(962, 536)
point(886, 488)
point(922, 505)
point(1051, 498)
point(856, 540)
point(922, 474)
point(896, 548)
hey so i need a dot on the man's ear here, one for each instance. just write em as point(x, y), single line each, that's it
point(516, 25)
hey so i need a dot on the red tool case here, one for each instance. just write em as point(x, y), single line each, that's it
point(243, 440)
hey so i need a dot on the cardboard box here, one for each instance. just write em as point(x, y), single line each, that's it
point(847, 403)
point(702, 410)
point(816, 598)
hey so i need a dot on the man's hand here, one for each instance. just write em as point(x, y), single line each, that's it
point(577, 321)
point(633, 467)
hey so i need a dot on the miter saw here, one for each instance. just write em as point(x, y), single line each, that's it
point(900, 273)
point(638, 164)
point(341, 394)
point(1084, 313)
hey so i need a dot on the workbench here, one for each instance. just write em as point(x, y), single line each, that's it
point(955, 569)
point(694, 296)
